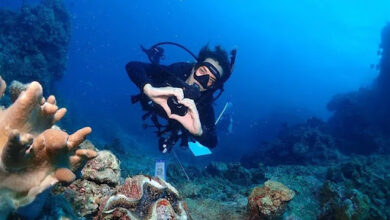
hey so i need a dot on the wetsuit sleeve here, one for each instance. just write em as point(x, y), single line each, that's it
point(142, 73)
point(209, 136)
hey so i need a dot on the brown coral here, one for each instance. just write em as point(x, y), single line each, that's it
point(34, 154)
point(269, 201)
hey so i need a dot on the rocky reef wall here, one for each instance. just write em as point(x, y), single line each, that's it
point(361, 119)
point(34, 42)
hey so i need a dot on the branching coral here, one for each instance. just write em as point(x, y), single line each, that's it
point(34, 154)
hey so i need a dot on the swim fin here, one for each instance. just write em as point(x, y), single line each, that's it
point(198, 149)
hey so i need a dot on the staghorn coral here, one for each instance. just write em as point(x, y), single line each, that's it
point(269, 201)
point(34, 154)
point(143, 197)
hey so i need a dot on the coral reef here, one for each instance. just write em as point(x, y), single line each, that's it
point(99, 178)
point(132, 159)
point(99, 195)
point(306, 181)
point(220, 188)
point(213, 209)
point(357, 189)
point(306, 143)
point(325, 184)
point(210, 194)
point(85, 196)
point(235, 173)
point(15, 89)
point(360, 124)
point(269, 201)
point(224, 186)
point(361, 119)
point(102, 169)
point(383, 81)
point(143, 197)
point(221, 181)
point(34, 42)
point(34, 154)
point(54, 207)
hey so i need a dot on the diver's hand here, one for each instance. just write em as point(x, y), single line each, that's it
point(161, 95)
point(190, 120)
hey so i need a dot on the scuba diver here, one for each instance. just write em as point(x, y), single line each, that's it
point(182, 93)
point(226, 124)
point(224, 121)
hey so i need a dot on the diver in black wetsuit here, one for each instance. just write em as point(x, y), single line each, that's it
point(158, 82)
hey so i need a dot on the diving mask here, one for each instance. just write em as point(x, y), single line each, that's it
point(204, 79)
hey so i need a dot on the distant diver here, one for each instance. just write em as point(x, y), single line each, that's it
point(226, 124)
point(182, 93)
point(224, 121)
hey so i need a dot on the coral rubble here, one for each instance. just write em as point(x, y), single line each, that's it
point(34, 154)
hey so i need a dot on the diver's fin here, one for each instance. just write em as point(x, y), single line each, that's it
point(198, 149)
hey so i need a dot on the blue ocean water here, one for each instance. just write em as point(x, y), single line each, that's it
point(293, 57)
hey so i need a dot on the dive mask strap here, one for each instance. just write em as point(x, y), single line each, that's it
point(212, 69)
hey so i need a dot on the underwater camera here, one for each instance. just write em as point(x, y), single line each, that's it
point(191, 92)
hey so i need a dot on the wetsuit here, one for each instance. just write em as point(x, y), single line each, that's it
point(158, 76)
